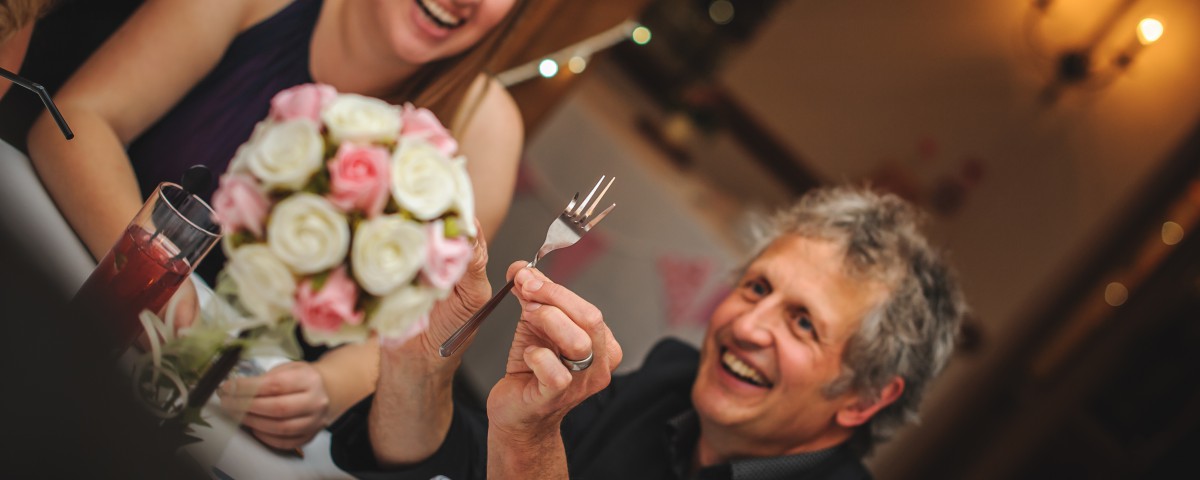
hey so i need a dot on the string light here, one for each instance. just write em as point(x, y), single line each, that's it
point(640, 35)
point(1116, 294)
point(1172, 233)
point(720, 12)
point(548, 68)
point(1149, 30)
point(576, 64)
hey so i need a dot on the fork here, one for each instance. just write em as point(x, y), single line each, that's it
point(568, 228)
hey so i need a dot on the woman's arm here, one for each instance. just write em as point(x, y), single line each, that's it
point(161, 52)
point(492, 142)
point(350, 373)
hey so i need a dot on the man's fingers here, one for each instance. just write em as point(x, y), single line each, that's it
point(559, 330)
point(615, 353)
point(539, 294)
point(533, 286)
point(553, 378)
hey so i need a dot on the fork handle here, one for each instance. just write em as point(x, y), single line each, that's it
point(460, 336)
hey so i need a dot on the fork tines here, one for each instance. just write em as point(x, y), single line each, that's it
point(583, 217)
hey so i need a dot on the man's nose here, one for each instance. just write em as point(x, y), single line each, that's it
point(753, 326)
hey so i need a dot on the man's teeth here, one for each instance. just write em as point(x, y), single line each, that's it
point(741, 369)
point(440, 13)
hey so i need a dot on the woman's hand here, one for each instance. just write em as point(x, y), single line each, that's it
point(290, 404)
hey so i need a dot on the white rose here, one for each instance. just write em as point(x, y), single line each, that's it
point(404, 313)
point(265, 286)
point(284, 154)
point(387, 253)
point(241, 158)
point(464, 199)
point(423, 180)
point(308, 233)
point(356, 118)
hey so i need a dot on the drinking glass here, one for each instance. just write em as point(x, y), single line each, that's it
point(171, 233)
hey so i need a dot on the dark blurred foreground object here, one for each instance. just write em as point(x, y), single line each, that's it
point(67, 415)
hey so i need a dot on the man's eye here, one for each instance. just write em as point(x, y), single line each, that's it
point(805, 323)
point(756, 288)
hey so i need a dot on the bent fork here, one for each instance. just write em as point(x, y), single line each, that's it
point(568, 228)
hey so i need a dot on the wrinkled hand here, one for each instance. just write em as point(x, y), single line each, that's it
point(537, 390)
point(468, 295)
point(289, 407)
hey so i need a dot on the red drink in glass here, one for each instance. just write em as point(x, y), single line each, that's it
point(140, 272)
point(172, 232)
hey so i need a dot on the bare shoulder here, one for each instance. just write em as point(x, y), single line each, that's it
point(255, 11)
point(239, 14)
point(496, 115)
point(492, 140)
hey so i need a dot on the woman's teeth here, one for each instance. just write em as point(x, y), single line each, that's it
point(439, 15)
point(739, 368)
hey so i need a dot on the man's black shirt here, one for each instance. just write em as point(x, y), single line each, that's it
point(641, 426)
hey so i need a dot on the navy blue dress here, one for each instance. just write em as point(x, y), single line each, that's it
point(219, 113)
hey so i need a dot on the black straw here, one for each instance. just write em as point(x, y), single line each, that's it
point(197, 180)
point(44, 96)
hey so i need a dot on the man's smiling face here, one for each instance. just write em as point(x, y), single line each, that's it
point(773, 345)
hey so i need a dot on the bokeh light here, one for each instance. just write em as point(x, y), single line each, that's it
point(1149, 30)
point(548, 68)
point(1116, 294)
point(721, 12)
point(577, 64)
point(640, 35)
point(1172, 233)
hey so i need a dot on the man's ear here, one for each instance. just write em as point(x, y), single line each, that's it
point(858, 411)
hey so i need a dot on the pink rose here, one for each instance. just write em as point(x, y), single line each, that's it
point(359, 178)
point(239, 204)
point(422, 123)
point(331, 307)
point(445, 259)
point(302, 101)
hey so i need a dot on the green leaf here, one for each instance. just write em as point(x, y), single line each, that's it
point(452, 229)
point(318, 183)
point(318, 280)
point(241, 237)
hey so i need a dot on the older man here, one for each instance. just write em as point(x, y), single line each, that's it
point(821, 350)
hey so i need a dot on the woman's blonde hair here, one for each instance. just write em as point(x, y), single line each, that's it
point(443, 86)
point(16, 14)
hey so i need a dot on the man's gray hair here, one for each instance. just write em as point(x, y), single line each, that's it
point(911, 333)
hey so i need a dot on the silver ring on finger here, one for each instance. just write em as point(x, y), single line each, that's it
point(577, 365)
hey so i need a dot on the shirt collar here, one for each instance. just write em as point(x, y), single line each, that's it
point(684, 433)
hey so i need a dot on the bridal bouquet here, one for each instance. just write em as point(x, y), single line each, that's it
point(345, 214)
